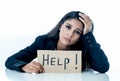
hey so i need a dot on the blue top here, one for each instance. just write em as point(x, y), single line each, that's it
point(92, 55)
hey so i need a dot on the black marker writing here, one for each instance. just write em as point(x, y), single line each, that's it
point(76, 60)
point(47, 59)
point(66, 61)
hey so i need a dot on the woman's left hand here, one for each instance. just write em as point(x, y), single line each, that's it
point(87, 23)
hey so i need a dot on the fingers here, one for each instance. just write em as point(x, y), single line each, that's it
point(38, 67)
point(87, 22)
point(85, 18)
point(33, 67)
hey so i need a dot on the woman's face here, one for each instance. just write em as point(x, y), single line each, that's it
point(70, 32)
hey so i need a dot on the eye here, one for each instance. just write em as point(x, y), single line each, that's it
point(68, 27)
point(78, 32)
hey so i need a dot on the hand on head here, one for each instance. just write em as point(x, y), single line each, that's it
point(87, 22)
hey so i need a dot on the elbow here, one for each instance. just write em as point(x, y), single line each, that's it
point(7, 63)
point(102, 68)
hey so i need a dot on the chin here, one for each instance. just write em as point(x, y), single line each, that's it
point(67, 44)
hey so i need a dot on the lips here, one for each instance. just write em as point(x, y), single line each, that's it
point(67, 39)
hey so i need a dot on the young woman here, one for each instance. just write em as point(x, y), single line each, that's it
point(73, 32)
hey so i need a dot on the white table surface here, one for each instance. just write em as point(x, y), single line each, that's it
point(10, 75)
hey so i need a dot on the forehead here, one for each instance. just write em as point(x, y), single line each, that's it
point(74, 22)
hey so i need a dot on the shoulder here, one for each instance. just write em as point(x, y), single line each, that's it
point(41, 38)
point(45, 42)
point(44, 38)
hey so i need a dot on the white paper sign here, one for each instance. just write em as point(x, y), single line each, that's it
point(60, 61)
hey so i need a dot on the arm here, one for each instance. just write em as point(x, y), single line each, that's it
point(23, 57)
point(97, 57)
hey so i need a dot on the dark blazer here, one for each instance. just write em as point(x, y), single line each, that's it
point(92, 55)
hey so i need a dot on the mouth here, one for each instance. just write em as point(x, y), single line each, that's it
point(67, 39)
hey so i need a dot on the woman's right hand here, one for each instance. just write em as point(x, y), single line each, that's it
point(33, 67)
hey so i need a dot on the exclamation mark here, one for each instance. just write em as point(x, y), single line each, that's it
point(76, 61)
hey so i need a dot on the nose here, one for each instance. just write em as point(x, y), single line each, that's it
point(70, 33)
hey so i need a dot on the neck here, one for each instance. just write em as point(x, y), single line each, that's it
point(60, 46)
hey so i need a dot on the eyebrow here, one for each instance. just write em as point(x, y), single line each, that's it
point(68, 24)
point(77, 28)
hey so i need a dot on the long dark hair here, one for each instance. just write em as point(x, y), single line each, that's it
point(54, 33)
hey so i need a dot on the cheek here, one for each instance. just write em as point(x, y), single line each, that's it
point(76, 38)
point(62, 32)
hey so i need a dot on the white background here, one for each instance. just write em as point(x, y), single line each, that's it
point(21, 21)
